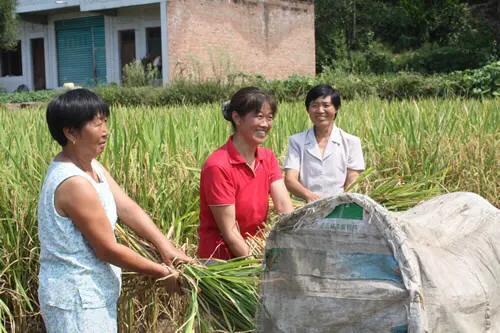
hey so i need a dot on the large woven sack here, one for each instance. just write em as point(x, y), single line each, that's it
point(346, 264)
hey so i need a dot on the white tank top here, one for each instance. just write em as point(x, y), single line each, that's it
point(69, 268)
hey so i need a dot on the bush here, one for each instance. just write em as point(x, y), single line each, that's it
point(379, 59)
point(28, 96)
point(291, 89)
point(178, 92)
point(480, 82)
point(380, 62)
point(350, 85)
point(137, 74)
point(445, 59)
point(127, 95)
point(388, 86)
point(408, 85)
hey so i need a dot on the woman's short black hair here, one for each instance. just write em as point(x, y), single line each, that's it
point(73, 109)
point(246, 100)
point(323, 90)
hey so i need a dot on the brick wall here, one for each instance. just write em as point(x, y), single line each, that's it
point(210, 38)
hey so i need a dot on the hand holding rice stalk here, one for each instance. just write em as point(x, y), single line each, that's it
point(223, 296)
point(220, 297)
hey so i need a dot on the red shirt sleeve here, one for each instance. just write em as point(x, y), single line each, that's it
point(218, 186)
point(274, 168)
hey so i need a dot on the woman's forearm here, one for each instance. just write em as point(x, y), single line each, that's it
point(132, 215)
point(281, 198)
point(236, 244)
point(225, 218)
point(142, 224)
point(299, 190)
point(351, 177)
point(121, 256)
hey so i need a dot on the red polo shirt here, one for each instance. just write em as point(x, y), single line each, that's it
point(226, 179)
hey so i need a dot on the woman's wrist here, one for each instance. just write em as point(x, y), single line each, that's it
point(238, 247)
point(165, 270)
point(165, 247)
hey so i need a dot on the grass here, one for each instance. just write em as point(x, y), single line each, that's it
point(415, 150)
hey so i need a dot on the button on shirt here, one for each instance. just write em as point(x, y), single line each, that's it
point(226, 179)
point(324, 175)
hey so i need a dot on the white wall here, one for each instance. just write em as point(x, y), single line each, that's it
point(137, 18)
point(26, 32)
point(107, 4)
point(27, 6)
point(132, 18)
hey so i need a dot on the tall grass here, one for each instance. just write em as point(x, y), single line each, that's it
point(414, 150)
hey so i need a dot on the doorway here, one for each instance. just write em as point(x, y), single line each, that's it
point(38, 62)
point(127, 48)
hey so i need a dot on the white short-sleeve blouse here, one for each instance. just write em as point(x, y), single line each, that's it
point(324, 175)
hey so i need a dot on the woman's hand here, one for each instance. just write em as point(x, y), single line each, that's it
point(171, 280)
point(173, 256)
point(311, 196)
point(296, 188)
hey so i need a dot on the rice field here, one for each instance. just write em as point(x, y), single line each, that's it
point(414, 150)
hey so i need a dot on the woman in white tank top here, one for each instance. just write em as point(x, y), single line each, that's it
point(79, 204)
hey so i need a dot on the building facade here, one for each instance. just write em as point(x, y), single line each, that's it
point(87, 42)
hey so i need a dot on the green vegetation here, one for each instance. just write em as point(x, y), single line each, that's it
point(481, 82)
point(415, 150)
point(29, 96)
point(403, 68)
point(384, 36)
point(8, 24)
point(136, 74)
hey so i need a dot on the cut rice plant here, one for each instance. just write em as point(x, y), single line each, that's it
point(397, 193)
point(221, 296)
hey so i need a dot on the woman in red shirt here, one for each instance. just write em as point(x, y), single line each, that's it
point(237, 179)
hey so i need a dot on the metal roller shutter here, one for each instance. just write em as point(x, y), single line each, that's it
point(81, 53)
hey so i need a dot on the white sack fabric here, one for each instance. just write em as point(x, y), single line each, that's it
point(345, 264)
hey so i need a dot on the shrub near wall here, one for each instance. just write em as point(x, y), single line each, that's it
point(482, 82)
point(180, 92)
point(389, 86)
point(29, 96)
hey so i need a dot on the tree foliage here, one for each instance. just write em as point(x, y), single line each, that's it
point(390, 35)
point(8, 24)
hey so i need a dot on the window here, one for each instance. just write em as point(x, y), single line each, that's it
point(127, 47)
point(153, 41)
point(12, 61)
point(153, 44)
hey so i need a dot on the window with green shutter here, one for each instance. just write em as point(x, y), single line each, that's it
point(81, 53)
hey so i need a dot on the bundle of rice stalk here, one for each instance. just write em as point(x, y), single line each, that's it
point(223, 295)
point(220, 297)
point(397, 192)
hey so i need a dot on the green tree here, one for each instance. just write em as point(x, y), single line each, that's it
point(418, 35)
point(8, 24)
